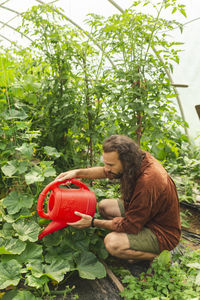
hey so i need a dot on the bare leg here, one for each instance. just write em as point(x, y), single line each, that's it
point(117, 244)
point(109, 208)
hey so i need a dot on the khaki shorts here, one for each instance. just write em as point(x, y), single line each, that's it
point(145, 240)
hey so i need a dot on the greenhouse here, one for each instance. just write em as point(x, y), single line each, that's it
point(100, 149)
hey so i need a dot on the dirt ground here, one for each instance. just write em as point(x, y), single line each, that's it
point(99, 289)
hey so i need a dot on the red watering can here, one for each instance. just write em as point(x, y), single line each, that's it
point(63, 203)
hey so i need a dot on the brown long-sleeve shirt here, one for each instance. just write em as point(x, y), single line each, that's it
point(154, 204)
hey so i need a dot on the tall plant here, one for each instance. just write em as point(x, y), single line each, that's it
point(72, 87)
point(141, 91)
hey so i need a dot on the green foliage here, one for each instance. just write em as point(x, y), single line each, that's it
point(19, 295)
point(10, 273)
point(165, 280)
point(26, 167)
point(15, 201)
point(82, 94)
point(139, 89)
point(185, 171)
point(72, 87)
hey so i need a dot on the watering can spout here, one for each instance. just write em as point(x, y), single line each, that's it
point(53, 226)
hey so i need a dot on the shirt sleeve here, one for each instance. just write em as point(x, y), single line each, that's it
point(139, 211)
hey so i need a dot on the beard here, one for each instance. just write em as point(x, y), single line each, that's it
point(116, 175)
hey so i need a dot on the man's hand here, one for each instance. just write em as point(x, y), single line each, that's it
point(66, 175)
point(82, 223)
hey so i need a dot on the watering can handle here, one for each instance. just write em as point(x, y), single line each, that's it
point(52, 186)
point(77, 182)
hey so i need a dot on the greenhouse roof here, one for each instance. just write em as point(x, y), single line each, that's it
point(185, 77)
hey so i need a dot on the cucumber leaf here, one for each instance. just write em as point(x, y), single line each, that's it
point(10, 273)
point(15, 201)
point(89, 267)
point(32, 252)
point(27, 230)
point(11, 246)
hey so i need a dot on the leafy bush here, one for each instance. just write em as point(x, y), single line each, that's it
point(185, 171)
point(178, 281)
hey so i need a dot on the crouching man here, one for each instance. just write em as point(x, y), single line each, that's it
point(146, 219)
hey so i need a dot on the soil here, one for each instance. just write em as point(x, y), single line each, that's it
point(99, 289)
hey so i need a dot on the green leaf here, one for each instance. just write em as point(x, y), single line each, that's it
point(9, 169)
point(13, 167)
point(32, 252)
point(15, 201)
point(89, 267)
point(174, 10)
point(27, 230)
point(57, 269)
point(24, 213)
point(51, 151)
point(183, 12)
point(2, 146)
point(194, 265)
point(11, 246)
point(36, 268)
point(25, 295)
point(26, 150)
point(33, 177)
point(53, 239)
point(50, 172)
point(164, 258)
point(197, 279)
point(36, 282)
point(10, 273)
point(9, 295)
point(30, 84)
point(7, 231)
point(15, 114)
point(68, 258)
point(22, 167)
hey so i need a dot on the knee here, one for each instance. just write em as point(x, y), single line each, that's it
point(111, 244)
point(102, 206)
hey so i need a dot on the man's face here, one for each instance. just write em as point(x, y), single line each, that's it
point(112, 164)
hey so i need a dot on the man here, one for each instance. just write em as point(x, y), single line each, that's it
point(146, 220)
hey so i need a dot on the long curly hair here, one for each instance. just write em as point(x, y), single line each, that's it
point(131, 157)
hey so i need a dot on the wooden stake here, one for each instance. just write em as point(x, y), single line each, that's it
point(112, 276)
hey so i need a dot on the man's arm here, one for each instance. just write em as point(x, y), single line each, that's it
point(93, 173)
point(105, 224)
